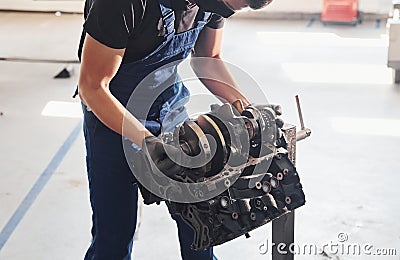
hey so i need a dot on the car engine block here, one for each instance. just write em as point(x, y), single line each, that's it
point(242, 177)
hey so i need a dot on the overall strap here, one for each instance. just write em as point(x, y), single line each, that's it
point(168, 17)
point(202, 18)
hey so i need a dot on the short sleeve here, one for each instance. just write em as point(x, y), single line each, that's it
point(110, 22)
point(216, 21)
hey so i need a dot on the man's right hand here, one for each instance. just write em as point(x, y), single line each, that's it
point(165, 157)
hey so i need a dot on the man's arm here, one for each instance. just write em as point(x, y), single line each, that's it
point(212, 72)
point(99, 65)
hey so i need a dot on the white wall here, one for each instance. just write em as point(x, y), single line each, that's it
point(299, 7)
point(46, 5)
point(281, 6)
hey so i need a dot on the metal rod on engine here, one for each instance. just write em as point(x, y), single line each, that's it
point(304, 132)
point(299, 111)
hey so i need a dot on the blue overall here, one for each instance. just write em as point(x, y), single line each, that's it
point(113, 191)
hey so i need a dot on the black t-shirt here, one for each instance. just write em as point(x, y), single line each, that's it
point(136, 24)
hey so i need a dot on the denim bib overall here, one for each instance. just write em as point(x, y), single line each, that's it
point(113, 192)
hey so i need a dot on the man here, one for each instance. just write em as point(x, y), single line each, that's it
point(122, 42)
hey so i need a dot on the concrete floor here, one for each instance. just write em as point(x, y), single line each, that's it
point(349, 167)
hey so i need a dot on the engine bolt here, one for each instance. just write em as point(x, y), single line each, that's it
point(227, 183)
point(274, 182)
point(224, 202)
point(266, 187)
point(235, 215)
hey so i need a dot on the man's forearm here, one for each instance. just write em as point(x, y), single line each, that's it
point(112, 113)
point(216, 77)
point(225, 92)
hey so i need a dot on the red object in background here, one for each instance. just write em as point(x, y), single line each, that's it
point(340, 11)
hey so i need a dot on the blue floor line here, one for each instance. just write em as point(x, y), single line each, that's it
point(38, 186)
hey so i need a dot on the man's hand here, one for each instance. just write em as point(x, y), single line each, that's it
point(162, 158)
point(166, 157)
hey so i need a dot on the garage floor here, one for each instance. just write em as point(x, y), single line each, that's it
point(349, 167)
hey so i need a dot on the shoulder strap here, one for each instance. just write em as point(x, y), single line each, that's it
point(167, 14)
